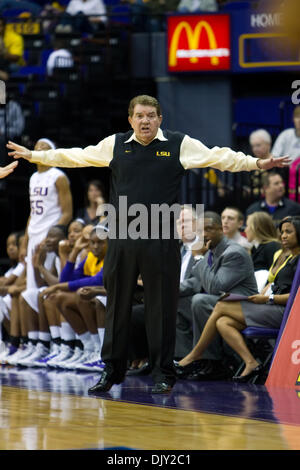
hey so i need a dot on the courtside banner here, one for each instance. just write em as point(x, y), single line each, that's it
point(285, 369)
point(198, 43)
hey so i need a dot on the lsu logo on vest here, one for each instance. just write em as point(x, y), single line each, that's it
point(163, 154)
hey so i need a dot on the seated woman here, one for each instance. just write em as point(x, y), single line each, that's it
point(65, 247)
point(229, 318)
point(49, 319)
point(93, 199)
point(46, 266)
point(64, 297)
point(261, 232)
point(10, 285)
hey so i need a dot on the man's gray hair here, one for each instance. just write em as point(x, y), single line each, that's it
point(263, 134)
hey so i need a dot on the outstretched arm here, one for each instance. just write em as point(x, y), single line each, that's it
point(194, 154)
point(6, 170)
point(99, 155)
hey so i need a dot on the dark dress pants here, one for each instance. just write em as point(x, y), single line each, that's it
point(158, 262)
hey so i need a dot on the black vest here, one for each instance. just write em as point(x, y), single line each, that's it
point(148, 174)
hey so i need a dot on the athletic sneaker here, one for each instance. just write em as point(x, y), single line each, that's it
point(9, 352)
point(3, 354)
point(65, 353)
point(40, 352)
point(54, 352)
point(27, 350)
point(23, 351)
point(69, 363)
point(87, 358)
point(96, 366)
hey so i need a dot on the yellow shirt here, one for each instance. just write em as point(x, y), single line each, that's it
point(14, 44)
point(272, 276)
point(193, 154)
point(92, 265)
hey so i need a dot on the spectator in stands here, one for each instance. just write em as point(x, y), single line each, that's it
point(261, 232)
point(288, 141)
point(12, 121)
point(229, 318)
point(224, 267)
point(232, 222)
point(11, 50)
point(191, 6)
point(60, 57)
point(260, 142)
point(84, 16)
point(94, 197)
point(274, 202)
point(281, 257)
point(157, 10)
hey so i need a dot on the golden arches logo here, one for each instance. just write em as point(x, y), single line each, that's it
point(194, 37)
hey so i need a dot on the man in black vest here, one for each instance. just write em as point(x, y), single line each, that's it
point(147, 165)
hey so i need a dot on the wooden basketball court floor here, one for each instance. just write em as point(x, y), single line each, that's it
point(51, 410)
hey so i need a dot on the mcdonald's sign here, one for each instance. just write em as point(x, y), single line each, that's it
point(198, 43)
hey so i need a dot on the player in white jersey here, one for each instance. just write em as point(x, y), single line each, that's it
point(51, 204)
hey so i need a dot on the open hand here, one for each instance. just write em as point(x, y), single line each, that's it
point(6, 170)
point(18, 151)
point(272, 162)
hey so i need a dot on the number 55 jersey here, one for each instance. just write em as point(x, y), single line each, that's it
point(44, 201)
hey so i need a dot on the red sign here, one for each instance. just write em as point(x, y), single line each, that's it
point(198, 43)
point(285, 369)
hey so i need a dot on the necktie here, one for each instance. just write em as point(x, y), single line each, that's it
point(210, 258)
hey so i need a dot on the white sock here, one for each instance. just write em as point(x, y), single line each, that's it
point(96, 341)
point(33, 335)
point(44, 336)
point(88, 344)
point(66, 332)
point(54, 331)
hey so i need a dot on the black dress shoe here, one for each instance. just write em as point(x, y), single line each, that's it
point(161, 387)
point(143, 370)
point(214, 370)
point(245, 378)
point(105, 383)
point(184, 371)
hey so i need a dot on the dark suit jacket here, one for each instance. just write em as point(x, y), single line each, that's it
point(262, 256)
point(232, 271)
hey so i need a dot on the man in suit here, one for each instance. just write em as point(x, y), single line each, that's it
point(224, 266)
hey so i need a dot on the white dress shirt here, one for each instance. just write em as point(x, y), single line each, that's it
point(193, 154)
